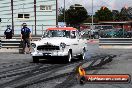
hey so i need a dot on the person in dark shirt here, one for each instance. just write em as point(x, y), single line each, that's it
point(8, 32)
point(25, 37)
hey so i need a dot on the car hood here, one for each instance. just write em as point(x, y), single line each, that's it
point(54, 41)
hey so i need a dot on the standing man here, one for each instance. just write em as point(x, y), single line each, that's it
point(8, 32)
point(25, 37)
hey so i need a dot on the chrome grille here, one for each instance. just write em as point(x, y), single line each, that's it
point(48, 47)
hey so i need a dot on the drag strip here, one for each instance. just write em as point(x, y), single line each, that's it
point(72, 80)
point(26, 75)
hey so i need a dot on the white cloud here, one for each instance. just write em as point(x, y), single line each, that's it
point(123, 3)
point(111, 4)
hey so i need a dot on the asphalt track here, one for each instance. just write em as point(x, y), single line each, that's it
point(18, 70)
point(23, 75)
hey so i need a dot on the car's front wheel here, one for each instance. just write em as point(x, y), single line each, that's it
point(83, 55)
point(35, 59)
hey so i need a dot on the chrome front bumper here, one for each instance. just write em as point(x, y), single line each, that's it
point(50, 53)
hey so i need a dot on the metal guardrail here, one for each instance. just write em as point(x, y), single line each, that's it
point(14, 43)
point(11, 43)
point(115, 41)
point(0, 44)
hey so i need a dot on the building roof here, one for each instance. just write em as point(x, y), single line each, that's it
point(90, 23)
point(62, 28)
point(114, 22)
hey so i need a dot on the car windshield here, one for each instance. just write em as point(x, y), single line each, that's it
point(57, 33)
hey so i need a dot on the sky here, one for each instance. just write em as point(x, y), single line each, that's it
point(111, 4)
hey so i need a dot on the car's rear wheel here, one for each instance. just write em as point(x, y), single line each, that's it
point(83, 55)
point(35, 59)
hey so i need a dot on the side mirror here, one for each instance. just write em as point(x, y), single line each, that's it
point(73, 36)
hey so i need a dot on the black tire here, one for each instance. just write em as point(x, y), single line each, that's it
point(82, 80)
point(69, 57)
point(82, 56)
point(35, 59)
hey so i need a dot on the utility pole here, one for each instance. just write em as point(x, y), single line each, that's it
point(56, 13)
point(12, 16)
point(35, 15)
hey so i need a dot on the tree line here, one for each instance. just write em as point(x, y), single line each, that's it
point(77, 14)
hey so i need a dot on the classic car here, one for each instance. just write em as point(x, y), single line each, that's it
point(63, 42)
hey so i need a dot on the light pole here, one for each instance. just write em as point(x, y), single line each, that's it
point(91, 29)
point(92, 14)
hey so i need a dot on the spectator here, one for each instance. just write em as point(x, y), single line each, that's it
point(25, 37)
point(92, 34)
point(8, 32)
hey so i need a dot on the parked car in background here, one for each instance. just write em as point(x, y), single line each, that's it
point(63, 42)
point(90, 34)
point(129, 34)
point(115, 33)
point(111, 34)
point(85, 33)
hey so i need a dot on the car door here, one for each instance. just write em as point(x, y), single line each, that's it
point(75, 43)
point(80, 42)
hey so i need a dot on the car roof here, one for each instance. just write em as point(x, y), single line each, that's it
point(62, 28)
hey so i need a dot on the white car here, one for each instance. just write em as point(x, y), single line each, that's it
point(59, 42)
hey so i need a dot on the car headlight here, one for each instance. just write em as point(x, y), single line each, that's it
point(33, 45)
point(62, 45)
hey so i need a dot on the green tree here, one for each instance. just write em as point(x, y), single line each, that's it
point(61, 15)
point(75, 15)
point(104, 14)
point(89, 20)
point(116, 15)
point(123, 16)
